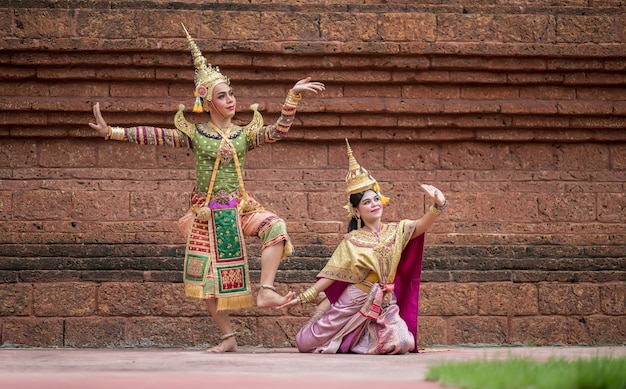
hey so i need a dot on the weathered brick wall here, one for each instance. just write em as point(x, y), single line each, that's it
point(515, 110)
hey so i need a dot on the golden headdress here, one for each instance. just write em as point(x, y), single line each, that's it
point(359, 180)
point(206, 76)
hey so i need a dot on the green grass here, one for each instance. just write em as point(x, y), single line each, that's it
point(592, 373)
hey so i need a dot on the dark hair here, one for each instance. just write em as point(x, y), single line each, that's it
point(355, 200)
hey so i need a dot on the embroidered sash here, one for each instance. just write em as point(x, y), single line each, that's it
point(216, 264)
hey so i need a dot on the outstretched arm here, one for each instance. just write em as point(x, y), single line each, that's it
point(142, 135)
point(278, 130)
point(321, 285)
point(440, 204)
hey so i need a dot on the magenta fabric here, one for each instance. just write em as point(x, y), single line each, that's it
point(407, 285)
point(231, 204)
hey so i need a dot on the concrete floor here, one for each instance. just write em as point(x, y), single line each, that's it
point(258, 368)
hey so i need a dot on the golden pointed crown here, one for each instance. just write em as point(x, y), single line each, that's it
point(358, 178)
point(206, 76)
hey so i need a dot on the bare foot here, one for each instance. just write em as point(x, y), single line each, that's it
point(268, 298)
point(227, 345)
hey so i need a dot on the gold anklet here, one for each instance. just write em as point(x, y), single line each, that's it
point(224, 337)
point(270, 287)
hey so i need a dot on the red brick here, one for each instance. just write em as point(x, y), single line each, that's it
point(547, 92)
point(37, 23)
point(289, 206)
point(129, 299)
point(430, 76)
point(568, 299)
point(327, 206)
point(469, 155)
point(620, 28)
point(506, 299)
point(478, 330)
point(408, 27)
point(454, 27)
point(611, 123)
point(606, 95)
point(539, 330)
point(580, 107)
point(526, 28)
point(488, 92)
point(94, 332)
point(26, 88)
point(161, 331)
point(567, 207)
point(348, 27)
point(613, 299)
point(156, 205)
point(479, 107)
point(18, 153)
point(37, 205)
point(447, 300)
point(583, 29)
point(606, 330)
point(611, 207)
point(411, 157)
point(594, 79)
point(281, 26)
point(536, 78)
point(130, 89)
point(432, 331)
point(7, 15)
point(33, 332)
point(475, 77)
point(64, 299)
point(366, 91)
point(525, 156)
point(588, 156)
point(15, 299)
point(618, 157)
point(431, 92)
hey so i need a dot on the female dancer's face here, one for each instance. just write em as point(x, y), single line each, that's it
point(370, 208)
point(224, 101)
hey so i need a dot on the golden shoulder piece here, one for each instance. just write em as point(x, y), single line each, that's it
point(257, 120)
point(183, 124)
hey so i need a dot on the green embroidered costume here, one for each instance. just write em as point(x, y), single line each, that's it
point(215, 260)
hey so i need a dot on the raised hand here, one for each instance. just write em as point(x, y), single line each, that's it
point(100, 125)
point(308, 85)
point(434, 194)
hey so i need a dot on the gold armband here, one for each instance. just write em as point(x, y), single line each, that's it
point(293, 99)
point(116, 133)
point(308, 295)
point(438, 209)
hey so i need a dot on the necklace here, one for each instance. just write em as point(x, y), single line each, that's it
point(373, 230)
point(226, 150)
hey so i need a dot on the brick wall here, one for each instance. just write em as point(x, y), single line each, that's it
point(516, 111)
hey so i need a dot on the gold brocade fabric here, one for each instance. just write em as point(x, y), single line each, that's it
point(361, 252)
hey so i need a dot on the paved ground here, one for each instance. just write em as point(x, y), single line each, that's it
point(256, 368)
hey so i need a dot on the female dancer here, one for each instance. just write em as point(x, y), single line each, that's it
point(372, 279)
point(222, 213)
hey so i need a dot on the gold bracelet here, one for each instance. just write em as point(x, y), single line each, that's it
point(293, 99)
point(438, 209)
point(434, 210)
point(308, 295)
point(108, 135)
point(118, 133)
